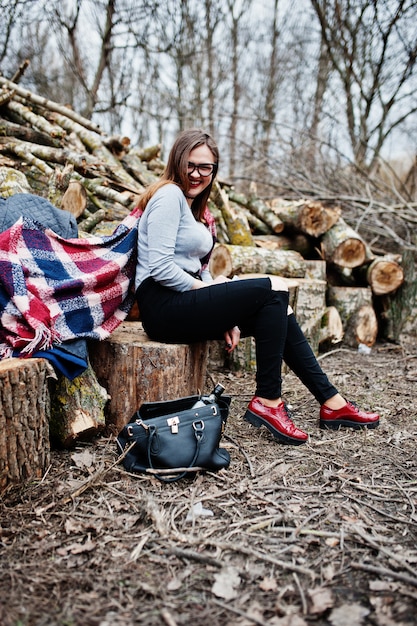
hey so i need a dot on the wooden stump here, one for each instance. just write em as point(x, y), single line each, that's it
point(24, 419)
point(133, 369)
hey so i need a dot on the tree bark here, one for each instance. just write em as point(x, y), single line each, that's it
point(24, 419)
point(393, 309)
point(259, 208)
point(236, 222)
point(230, 260)
point(133, 369)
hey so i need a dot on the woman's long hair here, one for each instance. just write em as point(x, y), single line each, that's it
point(176, 169)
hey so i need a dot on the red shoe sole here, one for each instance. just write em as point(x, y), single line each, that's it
point(257, 421)
point(336, 424)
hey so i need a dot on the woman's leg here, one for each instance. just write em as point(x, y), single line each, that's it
point(207, 313)
point(301, 359)
point(335, 411)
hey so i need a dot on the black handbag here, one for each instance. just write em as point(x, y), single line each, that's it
point(172, 439)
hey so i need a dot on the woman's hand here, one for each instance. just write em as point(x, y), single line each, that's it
point(216, 281)
point(220, 279)
point(231, 338)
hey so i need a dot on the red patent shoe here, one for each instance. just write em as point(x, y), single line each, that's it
point(276, 419)
point(349, 415)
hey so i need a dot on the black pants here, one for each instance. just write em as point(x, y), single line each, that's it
point(259, 311)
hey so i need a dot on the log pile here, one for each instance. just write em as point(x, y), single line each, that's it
point(340, 289)
point(48, 149)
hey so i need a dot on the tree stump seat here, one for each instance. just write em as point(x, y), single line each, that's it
point(133, 369)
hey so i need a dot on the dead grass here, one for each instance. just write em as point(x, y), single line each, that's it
point(323, 533)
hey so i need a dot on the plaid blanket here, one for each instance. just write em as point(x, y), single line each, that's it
point(54, 289)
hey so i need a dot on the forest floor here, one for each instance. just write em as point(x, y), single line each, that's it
point(322, 534)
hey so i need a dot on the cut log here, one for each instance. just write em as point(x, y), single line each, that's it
point(309, 217)
point(311, 304)
point(48, 104)
point(315, 269)
point(331, 328)
point(343, 246)
point(384, 274)
point(138, 169)
point(298, 242)
point(236, 222)
point(133, 369)
point(258, 227)
point(12, 181)
point(77, 408)
point(221, 228)
point(357, 313)
point(24, 419)
point(259, 208)
point(231, 260)
point(311, 299)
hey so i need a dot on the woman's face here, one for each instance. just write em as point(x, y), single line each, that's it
point(199, 179)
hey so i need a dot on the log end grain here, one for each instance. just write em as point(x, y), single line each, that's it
point(350, 253)
point(385, 277)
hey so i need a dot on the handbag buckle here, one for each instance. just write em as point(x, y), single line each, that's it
point(173, 424)
point(198, 425)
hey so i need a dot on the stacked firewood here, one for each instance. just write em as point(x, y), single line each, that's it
point(345, 291)
point(337, 282)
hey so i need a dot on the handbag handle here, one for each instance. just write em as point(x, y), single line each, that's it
point(198, 427)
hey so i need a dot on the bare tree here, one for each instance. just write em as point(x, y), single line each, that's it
point(372, 46)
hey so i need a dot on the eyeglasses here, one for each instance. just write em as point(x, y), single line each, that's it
point(204, 169)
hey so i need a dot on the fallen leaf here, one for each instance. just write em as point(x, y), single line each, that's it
point(322, 599)
point(79, 548)
point(83, 459)
point(332, 542)
point(226, 583)
point(268, 584)
point(348, 615)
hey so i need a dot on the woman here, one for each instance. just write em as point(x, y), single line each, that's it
point(180, 303)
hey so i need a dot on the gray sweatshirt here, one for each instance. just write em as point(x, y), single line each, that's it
point(171, 242)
